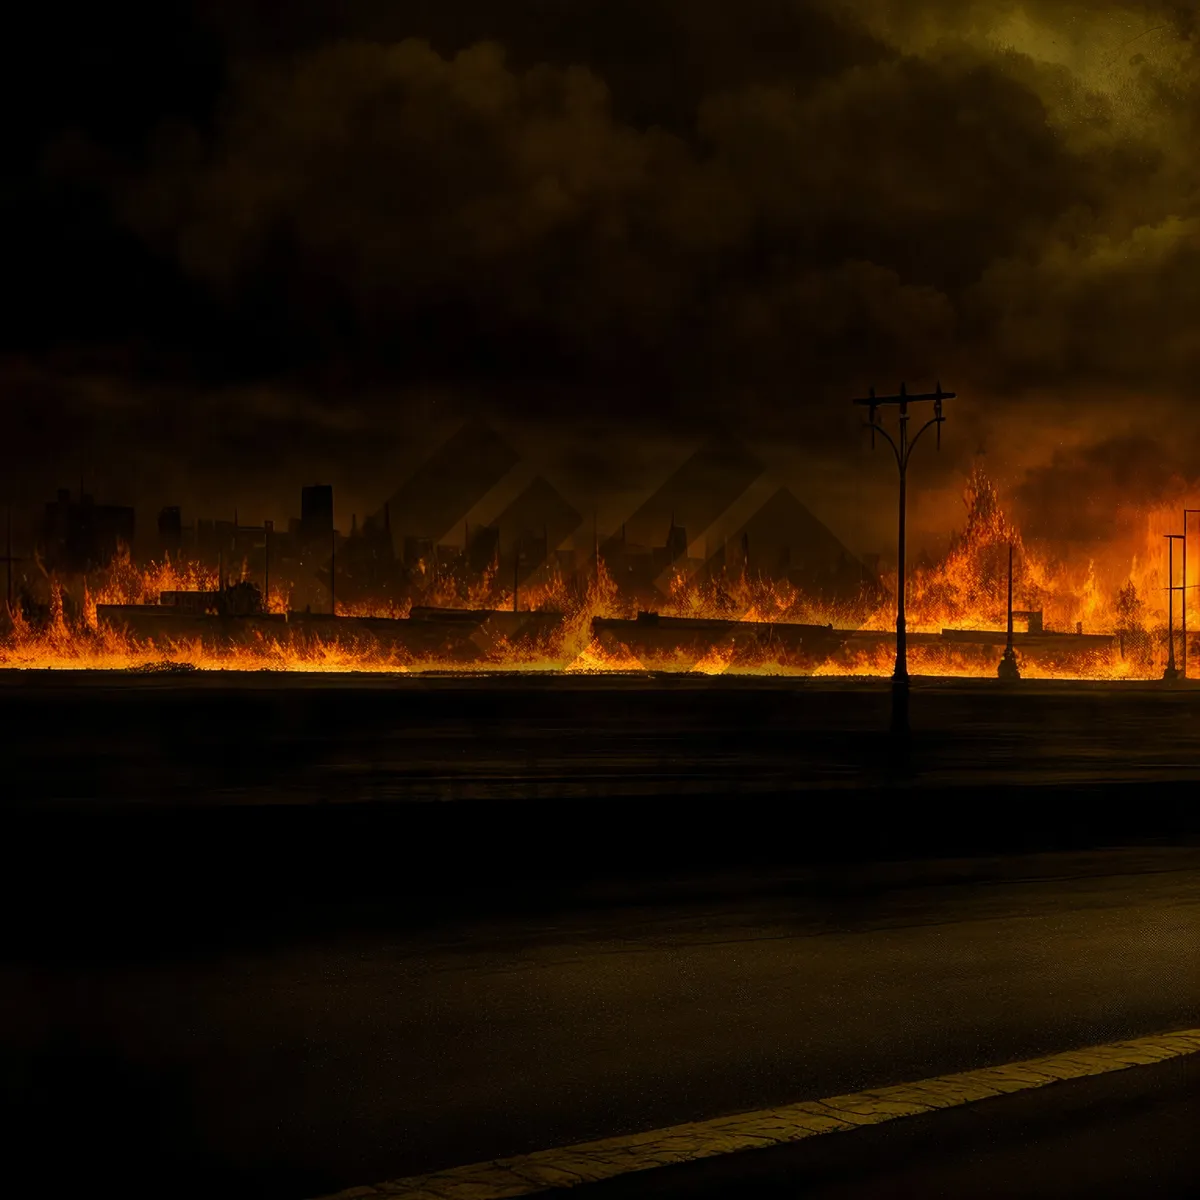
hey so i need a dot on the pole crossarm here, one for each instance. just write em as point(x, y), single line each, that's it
point(874, 401)
point(902, 399)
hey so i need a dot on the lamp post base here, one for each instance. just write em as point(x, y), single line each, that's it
point(900, 726)
point(1171, 674)
point(1008, 669)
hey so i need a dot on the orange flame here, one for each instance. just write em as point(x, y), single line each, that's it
point(967, 589)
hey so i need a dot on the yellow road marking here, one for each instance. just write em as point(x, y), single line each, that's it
point(589, 1162)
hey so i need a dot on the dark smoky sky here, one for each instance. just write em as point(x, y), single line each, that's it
point(250, 243)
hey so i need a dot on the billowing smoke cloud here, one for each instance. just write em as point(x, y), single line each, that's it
point(679, 211)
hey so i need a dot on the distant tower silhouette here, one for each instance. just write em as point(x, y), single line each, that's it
point(316, 512)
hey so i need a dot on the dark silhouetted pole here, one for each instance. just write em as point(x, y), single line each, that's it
point(1187, 512)
point(1172, 672)
point(267, 527)
point(333, 572)
point(1008, 668)
point(903, 448)
point(516, 574)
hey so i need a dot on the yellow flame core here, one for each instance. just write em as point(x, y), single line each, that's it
point(967, 589)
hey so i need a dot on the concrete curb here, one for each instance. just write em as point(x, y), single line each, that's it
point(589, 1162)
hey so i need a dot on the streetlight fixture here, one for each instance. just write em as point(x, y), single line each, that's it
point(902, 447)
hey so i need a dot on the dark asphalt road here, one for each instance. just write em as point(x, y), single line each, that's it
point(1130, 1134)
point(317, 1061)
point(233, 963)
point(215, 738)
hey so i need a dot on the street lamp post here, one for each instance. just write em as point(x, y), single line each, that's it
point(1008, 669)
point(1172, 671)
point(902, 447)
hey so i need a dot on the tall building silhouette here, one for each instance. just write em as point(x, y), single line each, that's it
point(316, 512)
point(81, 535)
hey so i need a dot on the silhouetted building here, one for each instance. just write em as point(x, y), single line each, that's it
point(316, 513)
point(531, 548)
point(675, 549)
point(718, 557)
point(567, 562)
point(418, 553)
point(83, 535)
point(695, 495)
point(366, 564)
point(785, 540)
point(677, 542)
point(170, 530)
point(483, 552)
point(533, 523)
point(207, 545)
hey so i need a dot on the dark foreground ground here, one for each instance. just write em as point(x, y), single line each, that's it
point(301, 1053)
point(235, 738)
point(306, 786)
point(236, 961)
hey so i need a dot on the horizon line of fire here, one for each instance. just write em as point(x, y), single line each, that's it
point(463, 636)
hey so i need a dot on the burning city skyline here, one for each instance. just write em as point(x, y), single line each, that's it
point(742, 578)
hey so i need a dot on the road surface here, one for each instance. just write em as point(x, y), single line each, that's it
point(244, 738)
point(298, 1061)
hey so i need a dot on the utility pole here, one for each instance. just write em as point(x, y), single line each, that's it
point(1171, 674)
point(333, 572)
point(1187, 512)
point(902, 447)
point(1008, 669)
point(268, 526)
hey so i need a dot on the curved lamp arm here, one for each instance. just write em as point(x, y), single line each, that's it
point(928, 425)
point(900, 460)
